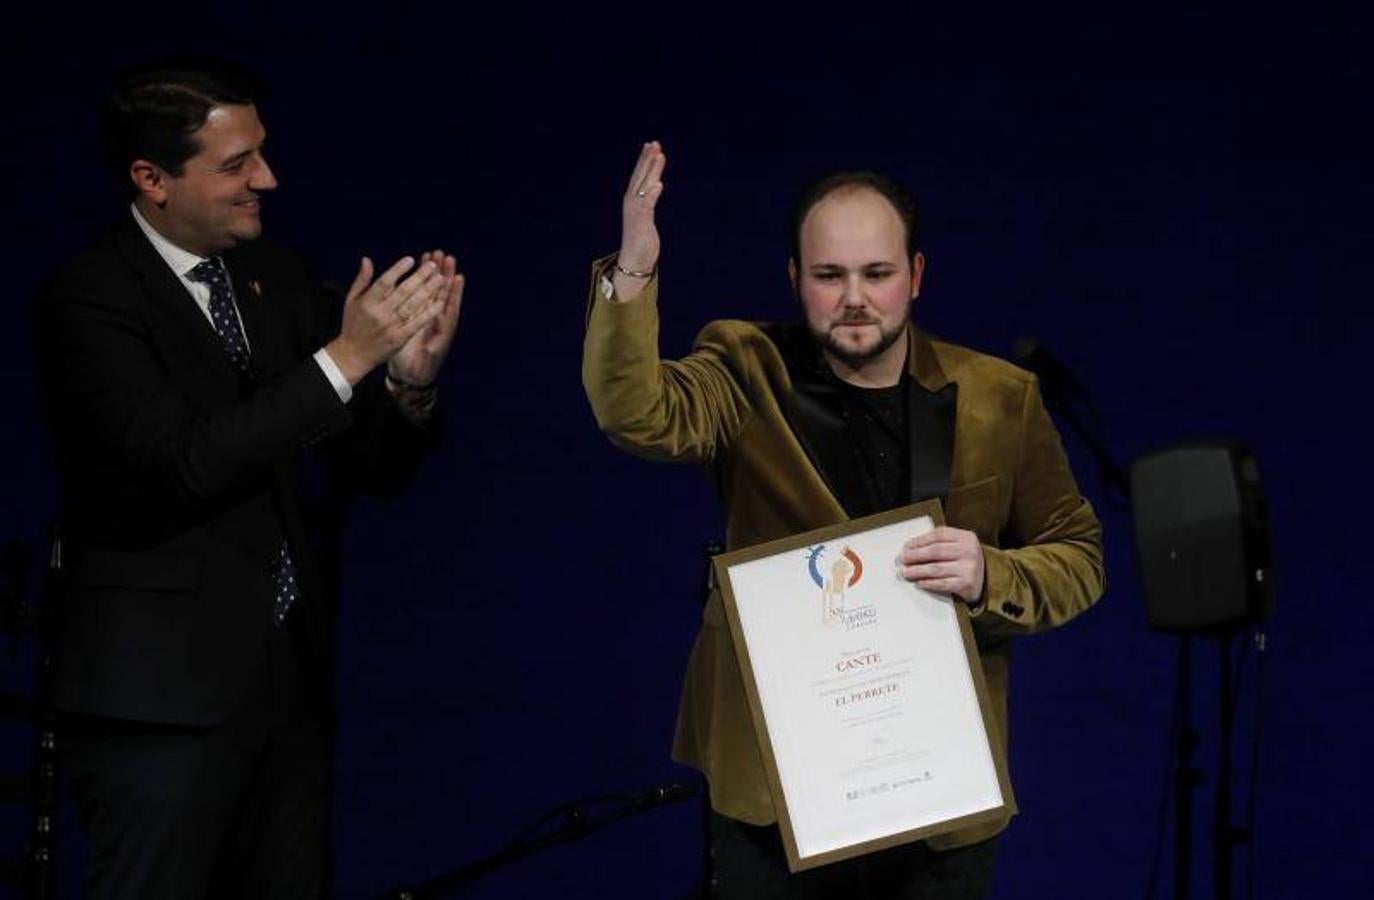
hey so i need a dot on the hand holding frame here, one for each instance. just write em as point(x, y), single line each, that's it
point(945, 560)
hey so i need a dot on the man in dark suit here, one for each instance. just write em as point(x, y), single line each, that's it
point(188, 367)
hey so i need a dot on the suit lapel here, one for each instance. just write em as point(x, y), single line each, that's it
point(174, 303)
point(813, 411)
point(266, 326)
point(932, 404)
point(814, 414)
point(265, 336)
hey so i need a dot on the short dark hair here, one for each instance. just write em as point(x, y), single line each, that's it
point(153, 111)
point(902, 200)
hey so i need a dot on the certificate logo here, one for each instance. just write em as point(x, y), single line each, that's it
point(834, 578)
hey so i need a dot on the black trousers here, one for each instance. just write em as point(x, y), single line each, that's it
point(751, 864)
point(239, 810)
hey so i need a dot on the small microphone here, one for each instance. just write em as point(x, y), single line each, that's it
point(1055, 377)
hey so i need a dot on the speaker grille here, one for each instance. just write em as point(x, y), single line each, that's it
point(1202, 537)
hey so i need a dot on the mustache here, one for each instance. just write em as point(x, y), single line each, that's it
point(856, 319)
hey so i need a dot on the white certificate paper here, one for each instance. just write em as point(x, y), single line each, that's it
point(866, 691)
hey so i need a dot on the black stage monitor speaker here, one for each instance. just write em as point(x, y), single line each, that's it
point(1202, 533)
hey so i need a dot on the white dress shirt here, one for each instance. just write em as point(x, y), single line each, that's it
point(182, 261)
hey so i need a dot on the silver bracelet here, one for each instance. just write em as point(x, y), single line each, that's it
point(633, 274)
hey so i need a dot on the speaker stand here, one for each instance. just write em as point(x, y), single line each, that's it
point(1226, 836)
point(1186, 775)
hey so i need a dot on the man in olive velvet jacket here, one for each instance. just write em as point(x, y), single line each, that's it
point(805, 425)
point(188, 368)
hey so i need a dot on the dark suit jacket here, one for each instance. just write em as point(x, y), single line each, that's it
point(181, 477)
point(755, 404)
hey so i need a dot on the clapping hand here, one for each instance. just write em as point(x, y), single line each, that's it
point(381, 316)
point(418, 360)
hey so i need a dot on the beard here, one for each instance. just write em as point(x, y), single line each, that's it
point(855, 357)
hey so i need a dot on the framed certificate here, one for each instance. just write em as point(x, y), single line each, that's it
point(866, 691)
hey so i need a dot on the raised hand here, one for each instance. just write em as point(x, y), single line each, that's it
point(380, 316)
point(419, 359)
point(639, 243)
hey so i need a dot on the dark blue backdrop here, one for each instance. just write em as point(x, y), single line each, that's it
point(1175, 202)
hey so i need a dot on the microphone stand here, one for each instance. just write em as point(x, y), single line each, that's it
point(563, 824)
point(1058, 387)
point(578, 818)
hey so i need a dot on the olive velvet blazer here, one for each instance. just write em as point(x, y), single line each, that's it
point(755, 405)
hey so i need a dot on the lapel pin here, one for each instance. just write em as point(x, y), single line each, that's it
point(256, 288)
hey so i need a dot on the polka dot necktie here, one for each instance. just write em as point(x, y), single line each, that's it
point(224, 316)
point(288, 591)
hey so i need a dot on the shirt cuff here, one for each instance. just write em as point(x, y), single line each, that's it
point(336, 378)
